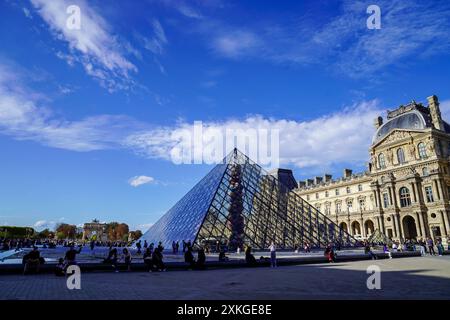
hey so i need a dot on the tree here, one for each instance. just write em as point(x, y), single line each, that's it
point(65, 230)
point(235, 218)
point(117, 231)
point(45, 234)
point(136, 234)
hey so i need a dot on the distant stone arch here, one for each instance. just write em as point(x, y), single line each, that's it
point(409, 227)
point(356, 228)
point(343, 226)
point(369, 227)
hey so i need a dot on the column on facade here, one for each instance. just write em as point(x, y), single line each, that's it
point(383, 228)
point(421, 224)
point(420, 193)
point(400, 227)
point(436, 187)
point(363, 227)
point(441, 192)
point(394, 225)
point(375, 198)
point(445, 194)
point(444, 214)
point(378, 223)
point(414, 192)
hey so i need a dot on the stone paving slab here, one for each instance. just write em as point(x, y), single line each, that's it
point(407, 278)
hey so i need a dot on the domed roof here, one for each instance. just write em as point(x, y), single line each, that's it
point(413, 120)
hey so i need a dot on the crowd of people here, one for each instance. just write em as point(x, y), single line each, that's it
point(121, 253)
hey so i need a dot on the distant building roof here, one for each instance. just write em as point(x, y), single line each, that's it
point(413, 116)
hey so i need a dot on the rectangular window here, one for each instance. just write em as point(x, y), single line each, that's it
point(429, 193)
point(337, 192)
point(360, 187)
point(362, 204)
point(385, 200)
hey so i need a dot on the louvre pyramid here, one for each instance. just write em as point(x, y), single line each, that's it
point(238, 203)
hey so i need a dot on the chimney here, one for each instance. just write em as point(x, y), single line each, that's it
point(435, 112)
point(309, 182)
point(378, 122)
point(318, 180)
point(327, 177)
point(347, 173)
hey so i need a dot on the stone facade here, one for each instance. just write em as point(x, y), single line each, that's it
point(96, 230)
point(405, 193)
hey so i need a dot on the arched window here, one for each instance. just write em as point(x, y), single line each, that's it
point(405, 198)
point(381, 161)
point(422, 150)
point(400, 156)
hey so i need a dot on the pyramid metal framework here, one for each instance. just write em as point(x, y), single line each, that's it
point(237, 204)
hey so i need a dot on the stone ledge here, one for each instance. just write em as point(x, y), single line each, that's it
point(179, 266)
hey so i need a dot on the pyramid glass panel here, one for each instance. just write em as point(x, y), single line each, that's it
point(240, 204)
point(183, 220)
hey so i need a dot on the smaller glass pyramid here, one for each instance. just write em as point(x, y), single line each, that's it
point(237, 204)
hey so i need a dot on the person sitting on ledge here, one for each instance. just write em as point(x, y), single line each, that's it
point(201, 259)
point(189, 258)
point(329, 253)
point(112, 258)
point(157, 259)
point(127, 258)
point(222, 256)
point(59, 268)
point(71, 255)
point(148, 259)
point(32, 260)
point(249, 257)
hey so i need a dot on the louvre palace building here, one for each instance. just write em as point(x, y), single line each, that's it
point(405, 191)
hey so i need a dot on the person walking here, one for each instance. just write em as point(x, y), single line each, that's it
point(440, 247)
point(148, 259)
point(430, 245)
point(138, 246)
point(273, 255)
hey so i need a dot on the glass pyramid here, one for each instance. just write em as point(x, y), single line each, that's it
point(238, 203)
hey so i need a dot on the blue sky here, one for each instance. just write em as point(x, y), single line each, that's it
point(87, 116)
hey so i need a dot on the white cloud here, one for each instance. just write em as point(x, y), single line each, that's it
point(143, 227)
point(27, 13)
point(236, 44)
point(189, 11)
point(445, 109)
point(137, 181)
point(24, 116)
point(44, 224)
point(94, 46)
point(341, 42)
point(343, 136)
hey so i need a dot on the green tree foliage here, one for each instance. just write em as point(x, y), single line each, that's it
point(67, 231)
point(16, 232)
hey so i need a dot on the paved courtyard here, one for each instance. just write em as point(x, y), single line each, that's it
point(406, 278)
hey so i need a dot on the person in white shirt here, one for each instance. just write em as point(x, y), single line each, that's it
point(273, 255)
